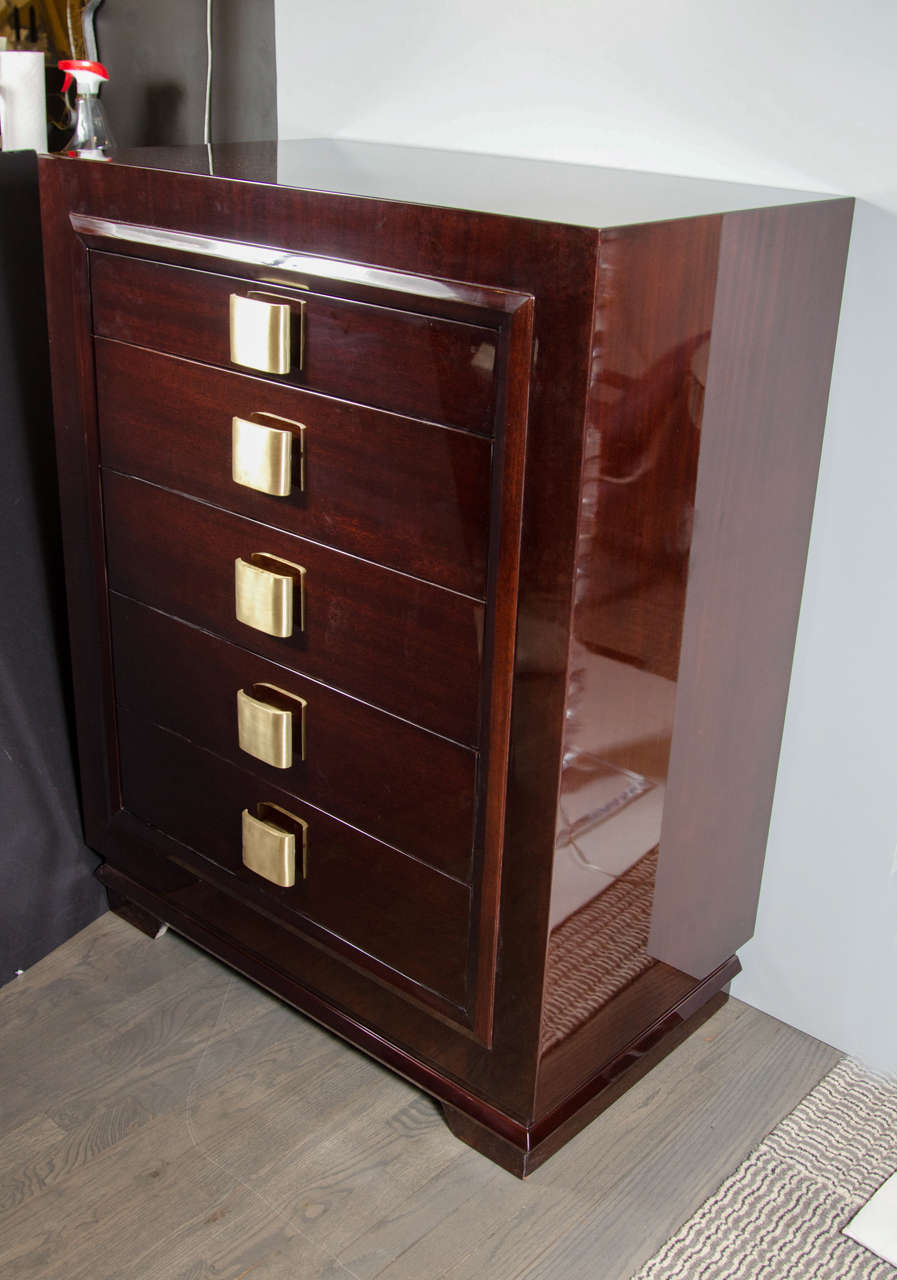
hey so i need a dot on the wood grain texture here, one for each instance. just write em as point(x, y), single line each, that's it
point(499, 648)
point(654, 309)
point(554, 264)
point(493, 674)
point(653, 314)
point(390, 909)
point(399, 360)
point(395, 490)
point(147, 923)
point(274, 1148)
point(378, 635)
point(594, 1208)
point(408, 788)
point(774, 328)
point(67, 278)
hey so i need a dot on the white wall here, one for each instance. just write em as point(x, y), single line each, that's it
point(775, 92)
point(824, 956)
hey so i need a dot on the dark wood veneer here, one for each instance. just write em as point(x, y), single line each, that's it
point(395, 641)
point(398, 491)
point(767, 390)
point(400, 360)
point(141, 919)
point(389, 906)
point(599, 337)
point(406, 787)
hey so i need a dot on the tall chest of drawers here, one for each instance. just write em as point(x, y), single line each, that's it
point(434, 535)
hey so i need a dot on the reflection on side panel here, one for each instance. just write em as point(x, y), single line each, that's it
point(634, 537)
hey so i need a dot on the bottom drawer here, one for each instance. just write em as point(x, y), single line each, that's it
point(396, 782)
point(386, 911)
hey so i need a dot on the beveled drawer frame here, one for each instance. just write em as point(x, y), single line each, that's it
point(500, 1093)
point(272, 267)
point(510, 314)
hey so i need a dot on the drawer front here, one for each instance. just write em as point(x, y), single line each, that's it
point(407, 787)
point(399, 360)
point(386, 908)
point(407, 494)
point(395, 641)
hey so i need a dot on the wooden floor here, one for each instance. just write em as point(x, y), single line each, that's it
point(162, 1119)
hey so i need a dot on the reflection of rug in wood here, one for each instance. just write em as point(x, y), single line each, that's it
point(596, 952)
point(780, 1215)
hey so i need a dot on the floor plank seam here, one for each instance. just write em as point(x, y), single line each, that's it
point(279, 1214)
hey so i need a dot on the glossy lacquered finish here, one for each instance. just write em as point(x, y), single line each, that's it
point(394, 490)
point(398, 360)
point(521, 666)
point(574, 194)
point(404, 786)
point(358, 616)
point(634, 539)
point(398, 912)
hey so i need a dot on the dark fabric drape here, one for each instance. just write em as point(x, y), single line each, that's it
point(47, 887)
point(156, 57)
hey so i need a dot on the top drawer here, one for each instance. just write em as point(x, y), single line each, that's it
point(432, 368)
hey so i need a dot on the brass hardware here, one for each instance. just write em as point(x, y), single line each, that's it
point(262, 455)
point(270, 722)
point(265, 589)
point(260, 333)
point(270, 838)
point(297, 314)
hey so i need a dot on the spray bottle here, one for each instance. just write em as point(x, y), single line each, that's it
point(91, 138)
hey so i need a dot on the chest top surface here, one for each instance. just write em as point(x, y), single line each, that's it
point(541, 190)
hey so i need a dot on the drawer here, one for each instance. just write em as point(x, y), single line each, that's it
point(407, 787)
point(406, 494)
point(399, 360)
point(402, 644)
point(358, 894)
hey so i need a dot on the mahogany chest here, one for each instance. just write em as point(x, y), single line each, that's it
point(434, 536)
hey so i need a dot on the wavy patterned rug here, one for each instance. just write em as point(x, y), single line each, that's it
point(597, 951)
point(779, 1216)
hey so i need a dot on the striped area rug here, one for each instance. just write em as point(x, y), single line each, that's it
point(779, 1216)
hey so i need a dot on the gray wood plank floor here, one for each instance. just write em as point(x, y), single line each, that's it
point(163, 1119)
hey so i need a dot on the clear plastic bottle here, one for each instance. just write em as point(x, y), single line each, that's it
point(92, 138)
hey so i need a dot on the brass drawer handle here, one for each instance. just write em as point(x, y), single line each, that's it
point(262, 456)
point(270, 723)
point(272, 838)
point(260, 334)
point(269, 594)
point(260, 331)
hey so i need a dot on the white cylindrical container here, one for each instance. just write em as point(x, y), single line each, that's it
point(23, 101)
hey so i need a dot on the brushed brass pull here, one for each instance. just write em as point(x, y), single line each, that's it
point(269, 594)
point(260, 334)
point(262, 455)
point(272, 838)
point(270, 724)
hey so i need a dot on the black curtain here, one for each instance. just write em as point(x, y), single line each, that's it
point(155, 54)
point(47, 888)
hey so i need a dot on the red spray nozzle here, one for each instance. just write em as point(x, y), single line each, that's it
point(90, 74)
